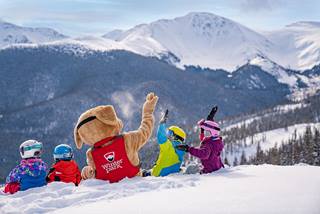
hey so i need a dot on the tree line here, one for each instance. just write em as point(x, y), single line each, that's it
point(298, 149)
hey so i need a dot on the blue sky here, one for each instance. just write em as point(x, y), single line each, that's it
point(95, 17)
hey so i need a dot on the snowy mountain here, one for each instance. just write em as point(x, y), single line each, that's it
point(297, 46)
point(212, 41)
point(242, 189)
point(202, 39)
point(282, 75)
point(13, 34)
point(198, 39)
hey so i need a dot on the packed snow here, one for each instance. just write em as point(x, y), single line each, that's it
point(267, 140)
point(242, 189)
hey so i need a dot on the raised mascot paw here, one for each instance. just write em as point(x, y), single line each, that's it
point(87, 173)
point(150, 103)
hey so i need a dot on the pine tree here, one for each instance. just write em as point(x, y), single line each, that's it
point(308, 146)
point(226, 162)
point(235, 161)
point(259, 155)
point(316, 147)
point(243, 159)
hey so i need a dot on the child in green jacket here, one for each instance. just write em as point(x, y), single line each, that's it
point(170, 158)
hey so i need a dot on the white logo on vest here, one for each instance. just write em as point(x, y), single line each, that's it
point(109, 156)
point(113, 165)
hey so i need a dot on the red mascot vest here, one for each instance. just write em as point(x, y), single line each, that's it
point(111, 160)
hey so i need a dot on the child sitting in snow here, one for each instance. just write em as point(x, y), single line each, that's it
point(65, 168)
point(170, 159)
point(31, 172)
point(210, 147)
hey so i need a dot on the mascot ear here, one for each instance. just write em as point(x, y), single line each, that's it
point(108, 116)
point(77, 138)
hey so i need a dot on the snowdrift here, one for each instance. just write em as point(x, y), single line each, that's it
point(242, 189)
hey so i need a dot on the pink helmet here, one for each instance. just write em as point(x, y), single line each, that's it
point(210, 126)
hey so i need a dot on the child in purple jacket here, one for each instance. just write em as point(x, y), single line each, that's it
point(211, 145)
point(31, 172)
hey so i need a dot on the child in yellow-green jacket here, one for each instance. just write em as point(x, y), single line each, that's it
point(170, 158)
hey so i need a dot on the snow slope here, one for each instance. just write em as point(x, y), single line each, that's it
point(242, 189)
point(275, 70)
point(267, 140)
point(13, 34)
point(279, 109)
point(296, 46)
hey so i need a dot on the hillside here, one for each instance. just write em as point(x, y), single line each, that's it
point(53, 85)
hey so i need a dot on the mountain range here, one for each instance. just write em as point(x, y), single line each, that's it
point(199, 39)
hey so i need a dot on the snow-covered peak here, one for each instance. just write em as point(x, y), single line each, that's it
point(202, 39)
point(274, 69)
point(296, 46)
point(13, 34)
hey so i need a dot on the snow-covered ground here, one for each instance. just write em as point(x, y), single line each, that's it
point(267, 140)
point(242, 189)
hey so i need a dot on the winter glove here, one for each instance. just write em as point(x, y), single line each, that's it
point(183, 147)
point(201, 130)
point(164, 117)
point(212, 113)
point(146, 173)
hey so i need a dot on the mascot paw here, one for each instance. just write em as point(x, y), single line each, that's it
point(150, 104)
point(87, 172)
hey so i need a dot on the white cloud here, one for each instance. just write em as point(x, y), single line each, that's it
point(260, 5)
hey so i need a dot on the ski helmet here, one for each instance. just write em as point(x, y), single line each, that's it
point(62, 152)
point(177, 133)
point(30, 149)
point(210, 126)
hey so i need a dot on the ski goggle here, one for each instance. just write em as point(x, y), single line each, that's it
point(63, 156)
point(172, 135)
point(28, 148)
point(209, 126)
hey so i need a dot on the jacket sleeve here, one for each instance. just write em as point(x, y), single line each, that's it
point(139, 137)
point(14, 175)
point(203, 152)
point(162, 133)
point(78, 177)
point(51, 175)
